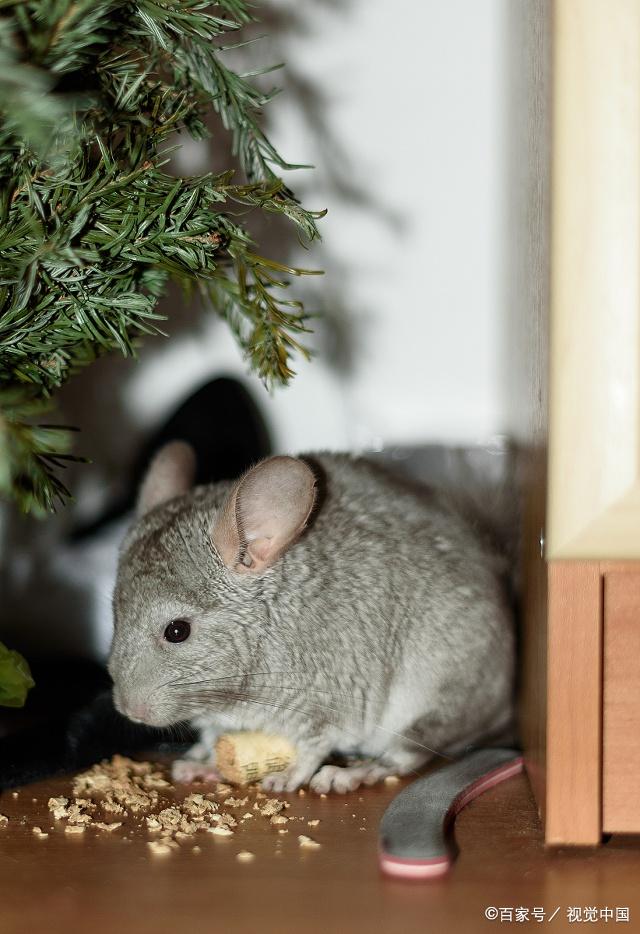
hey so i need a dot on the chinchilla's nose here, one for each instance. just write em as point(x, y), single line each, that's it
point(132, 708)
point(137, 711)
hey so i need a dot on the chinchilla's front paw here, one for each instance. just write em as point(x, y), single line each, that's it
point(288, 780)
point(189, 770)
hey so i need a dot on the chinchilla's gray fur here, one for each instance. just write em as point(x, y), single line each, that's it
point(384, 629)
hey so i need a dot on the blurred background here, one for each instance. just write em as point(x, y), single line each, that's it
point(424, 122)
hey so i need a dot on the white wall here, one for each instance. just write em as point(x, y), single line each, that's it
point(414, 115)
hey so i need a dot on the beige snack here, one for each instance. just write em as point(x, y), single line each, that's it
point(246, 757)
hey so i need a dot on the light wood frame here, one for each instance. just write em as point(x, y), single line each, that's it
point(594, 415)
point(593, 500)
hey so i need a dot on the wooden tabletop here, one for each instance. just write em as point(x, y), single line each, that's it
point(111, 882)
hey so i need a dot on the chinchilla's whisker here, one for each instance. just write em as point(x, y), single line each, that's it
point(250, 698)
point(245, 676)
point(178, 686)
point(378, 726)
point(308, 689)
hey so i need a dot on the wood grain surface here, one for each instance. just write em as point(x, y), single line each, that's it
point(621, 715)
point(103, 883)
point(574, 703)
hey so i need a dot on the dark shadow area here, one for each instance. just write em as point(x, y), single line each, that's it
point(222, 424)
point(69, 719)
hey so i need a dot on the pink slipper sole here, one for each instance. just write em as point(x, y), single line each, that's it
point(413, 831)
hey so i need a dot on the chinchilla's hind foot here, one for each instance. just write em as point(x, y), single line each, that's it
point(347, 778)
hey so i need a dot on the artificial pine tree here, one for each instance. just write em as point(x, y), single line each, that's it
point(93, 225)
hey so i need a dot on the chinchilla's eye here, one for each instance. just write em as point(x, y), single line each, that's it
point(177, 631)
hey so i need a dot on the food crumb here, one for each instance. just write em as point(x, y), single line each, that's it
point(196, 849)
point(391, 780)
point(58, 807)
point(283, 831)
point(236, 802)
point(270, 807)
point(308, 843)
point(323, 795)
point(313, 823)
point(102, 826)
point(74, 828)
point(39, 833)
point(3, 820)
point(301, 793)
point(279, 819)
point(14, 794)
point(158, 848)
point(220, 831)
point(245, 856)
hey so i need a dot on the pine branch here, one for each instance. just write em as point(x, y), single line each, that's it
point(92, 224)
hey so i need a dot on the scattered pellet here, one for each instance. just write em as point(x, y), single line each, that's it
point(236, 802)
point(244, 856)
point(391, 780)
point(272, 806)
point(313, 823)
point(158, 848)
point(308, 843)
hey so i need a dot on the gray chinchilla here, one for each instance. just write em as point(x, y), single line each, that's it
point(319, 598)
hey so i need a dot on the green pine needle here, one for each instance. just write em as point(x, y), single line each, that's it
point(92, 225)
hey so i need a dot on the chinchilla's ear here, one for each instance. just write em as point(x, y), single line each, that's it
point(264, 514)
point(171, 473)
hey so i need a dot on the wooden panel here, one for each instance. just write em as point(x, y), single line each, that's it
point(594, 418)
point(574, 699)
point(621, 720)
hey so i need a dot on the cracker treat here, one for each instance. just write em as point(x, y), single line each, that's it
point(245, 757)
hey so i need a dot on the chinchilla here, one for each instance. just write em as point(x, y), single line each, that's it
point(319, 598)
